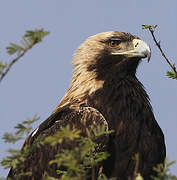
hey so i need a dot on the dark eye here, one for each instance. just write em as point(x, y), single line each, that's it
point(114, 43)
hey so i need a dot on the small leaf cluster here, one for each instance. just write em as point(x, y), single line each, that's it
point(29, 39)
point(2, 67)
point(66, 133)
point(151, 27)
point(16, 158)
point(80, 159)
point(172, 74)
point(163, 171)
point(22, 129)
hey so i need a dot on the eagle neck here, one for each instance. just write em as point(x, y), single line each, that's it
point(120, 100)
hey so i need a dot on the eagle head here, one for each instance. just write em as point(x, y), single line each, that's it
point(109, 52)
point(102, 57)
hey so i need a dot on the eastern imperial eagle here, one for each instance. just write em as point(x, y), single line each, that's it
point(105, 90)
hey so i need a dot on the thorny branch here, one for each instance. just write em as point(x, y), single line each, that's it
point(152, 29)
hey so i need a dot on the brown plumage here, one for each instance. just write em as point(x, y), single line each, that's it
point(105, 91)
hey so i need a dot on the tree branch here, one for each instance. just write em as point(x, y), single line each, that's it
point(28, 41)
point(152, 29)
point(163, 54)
point(10, 65)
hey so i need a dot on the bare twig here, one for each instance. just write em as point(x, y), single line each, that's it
point(163, 54)
point(93, 173)
point(11, 64)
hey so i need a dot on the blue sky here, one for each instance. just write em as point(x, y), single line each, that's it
point(38, 81)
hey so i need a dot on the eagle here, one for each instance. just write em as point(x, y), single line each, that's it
point(104, 90)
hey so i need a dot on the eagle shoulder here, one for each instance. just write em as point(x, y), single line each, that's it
point(84, 119)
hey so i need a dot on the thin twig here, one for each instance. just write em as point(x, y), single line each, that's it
point(163, 54)
point(93, 173)
point(9, 66)
point(28, 41)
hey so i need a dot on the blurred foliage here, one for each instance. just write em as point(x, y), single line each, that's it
point(1, 178)
point(66, 134)
point(16, 157)
point(163, 171)
point(80, 159)
point(22, 129)
point(82, 155)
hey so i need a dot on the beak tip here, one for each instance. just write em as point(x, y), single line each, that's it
point(142, 49)
point(148, 59)
point(149, 55)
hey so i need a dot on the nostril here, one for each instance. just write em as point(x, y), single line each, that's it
point(136, 44)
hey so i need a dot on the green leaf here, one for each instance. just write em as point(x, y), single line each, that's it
point(25, 127)
point(11, 138)
point(13, 48)
point(25, 42)
point(79, 154)
point(13, 160)
point(65, 133)
point(61, 172)
point(103, 177)
point(2, 67)
point(28, 41)
point(35, 36)
point(22, 128)
point(50, 178)
point(101, 131)
point(172, 75)
point(139, 177)
point(29, 122)
point(146, 26)
point(163, 171)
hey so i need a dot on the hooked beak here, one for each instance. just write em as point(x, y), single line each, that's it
point(140, 49)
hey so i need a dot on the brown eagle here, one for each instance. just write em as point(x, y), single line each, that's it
point(104, 90)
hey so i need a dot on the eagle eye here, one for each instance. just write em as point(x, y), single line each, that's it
point(114, 43)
